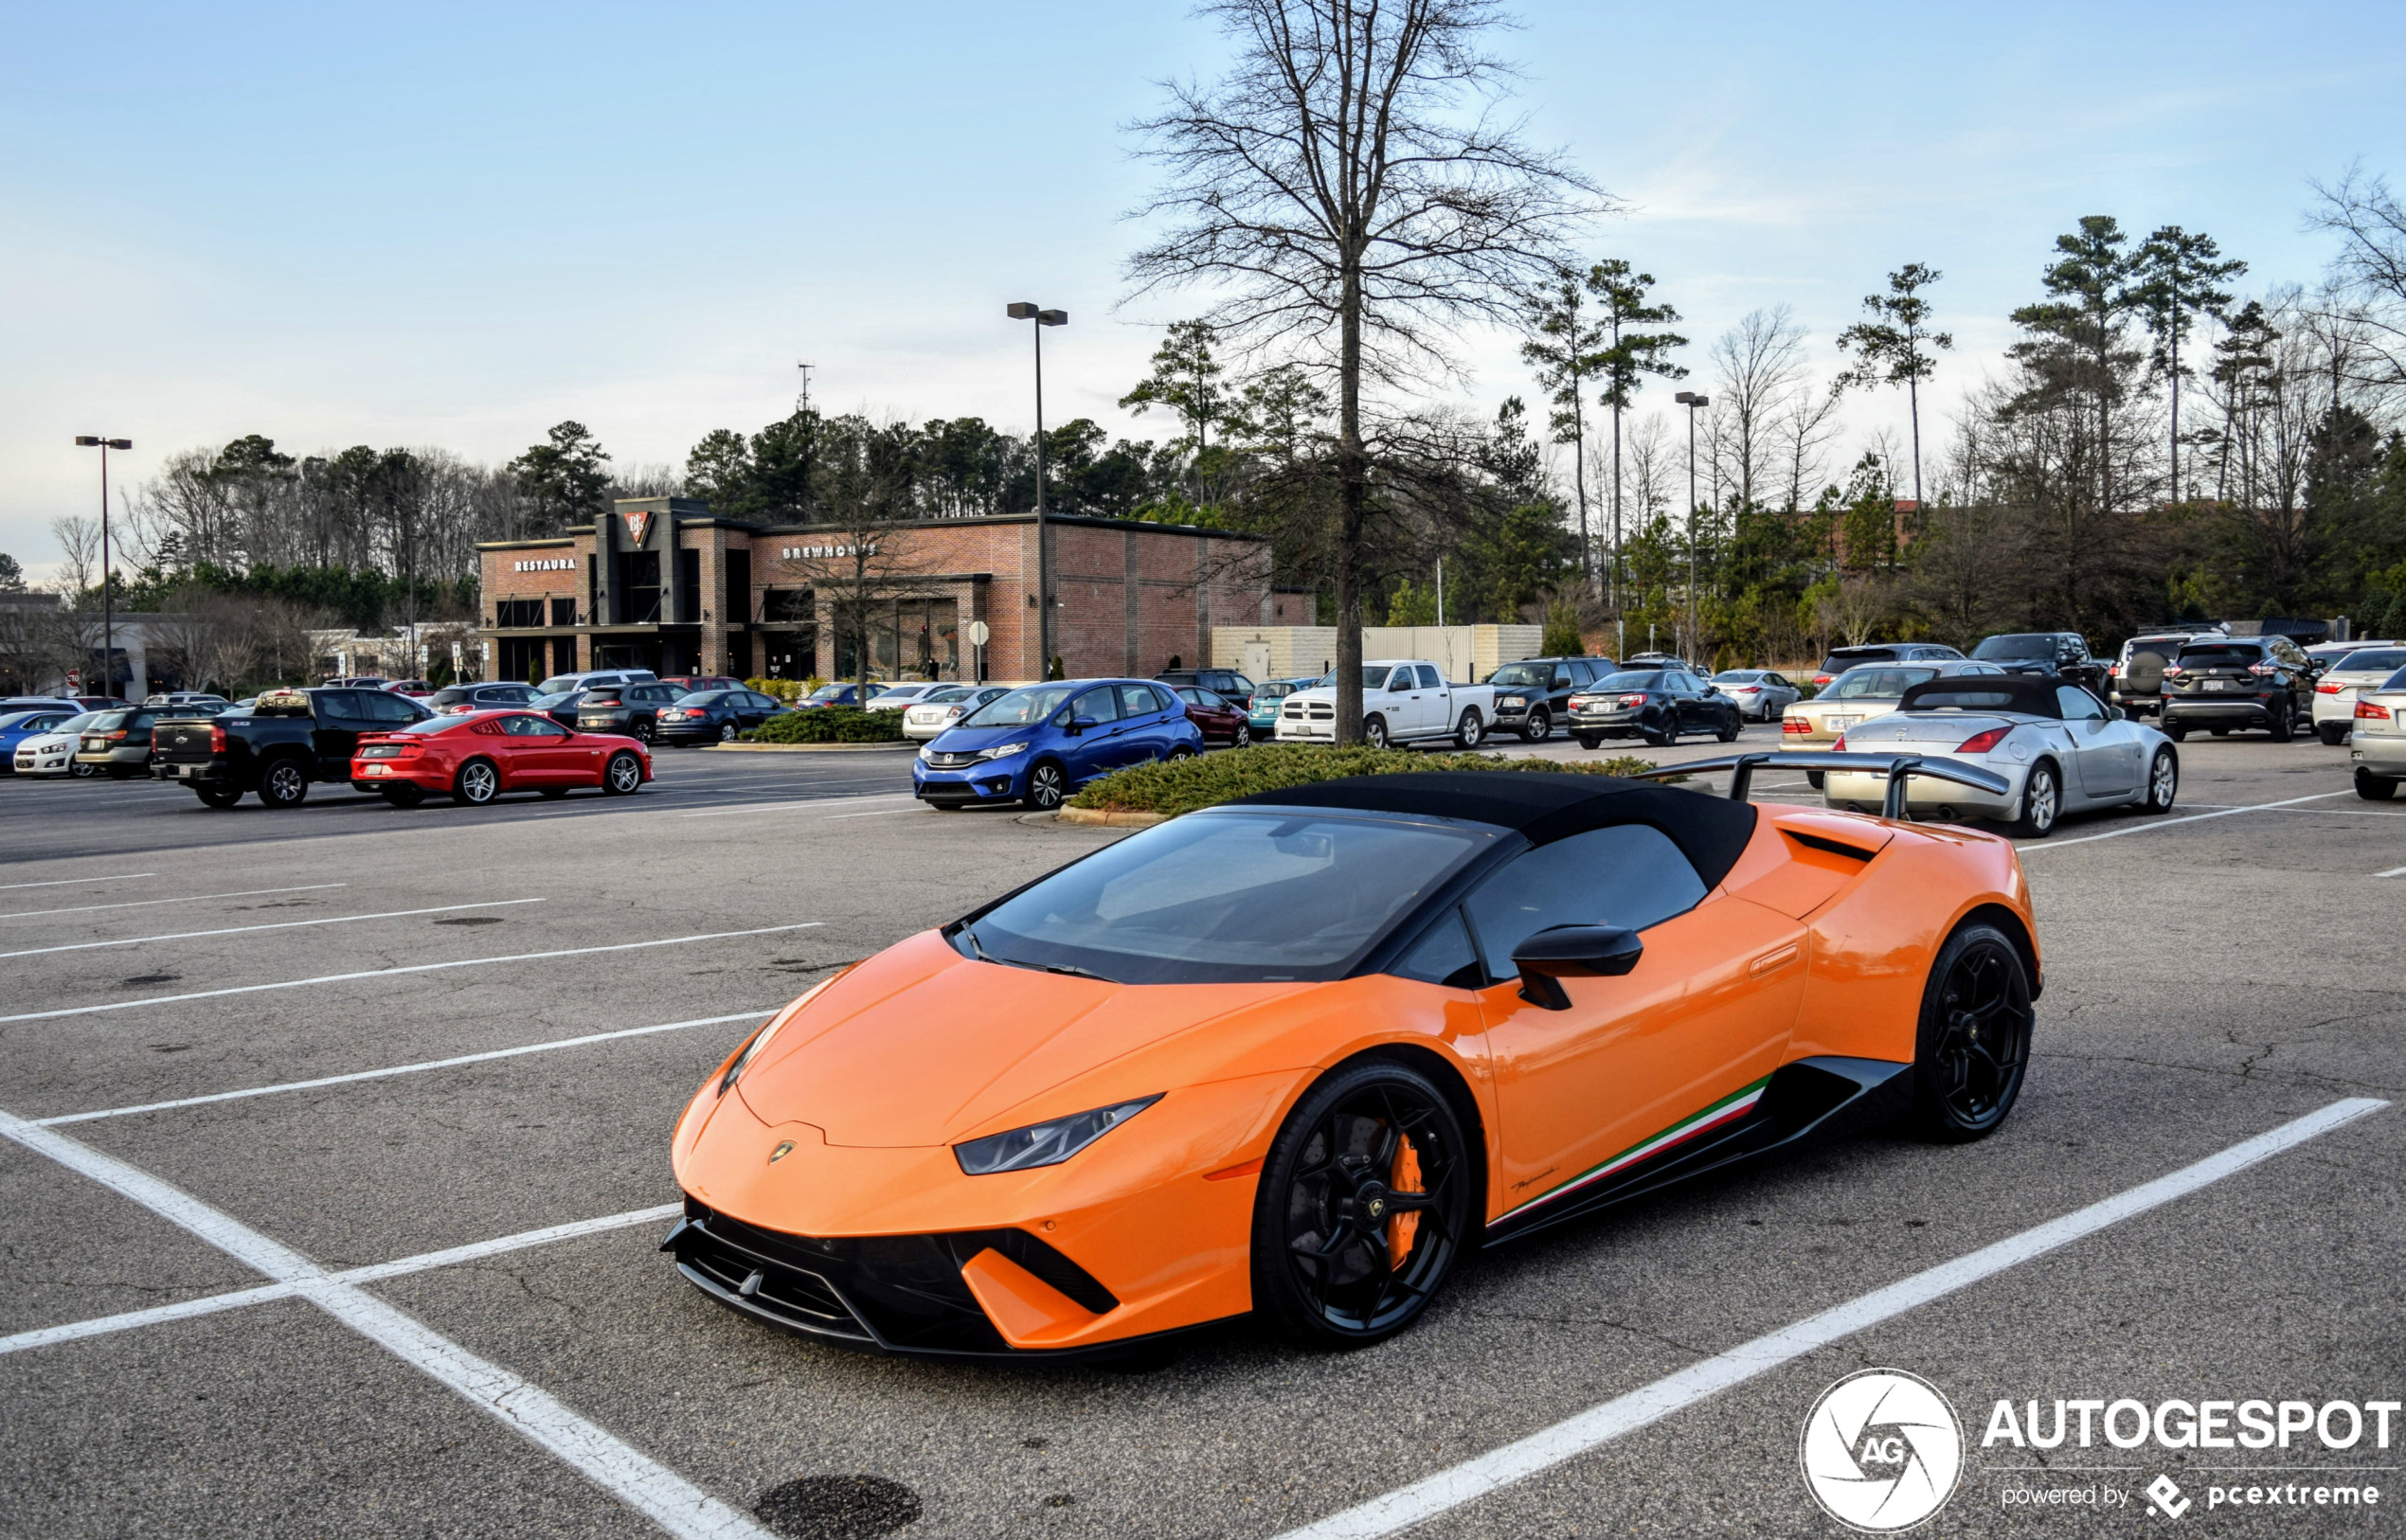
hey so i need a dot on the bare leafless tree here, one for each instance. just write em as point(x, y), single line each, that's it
point(78, 539)
point(2369, 271)
point(1801, 431)
point(1353, 195)
point(1759, 365)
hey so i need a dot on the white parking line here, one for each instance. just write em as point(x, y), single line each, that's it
point(388, 972)
point(1425, 1499)
point(281, 924)
point(627, 1473)
point(419, 1068)
point(2394, 871)
point(799, 803)
point(2028, 846)
point(78, 881)
point(196, 898)
point(211, 1304)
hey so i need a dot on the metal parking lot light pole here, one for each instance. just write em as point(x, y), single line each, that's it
point(1690, 400)
point(1022, 311)
point(108, 599)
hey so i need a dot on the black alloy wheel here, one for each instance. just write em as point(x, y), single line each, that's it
point(218, 797)
point(1974, 1044)
point(623, 776)
point(2164, 783)
point(401, 796)
point(1374, 731)
point(2373, 788)
point(477, 784)
point(1664, 737)
point(1541, 726)
point(2041, 802)
point(1365, 1205)
point(1730, 730)
point(283, 784)
point(1048, 785)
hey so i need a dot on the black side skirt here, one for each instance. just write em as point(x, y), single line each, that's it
point(1810, 1096)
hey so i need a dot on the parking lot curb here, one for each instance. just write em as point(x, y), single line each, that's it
point(1111, 818)
point(809, 748)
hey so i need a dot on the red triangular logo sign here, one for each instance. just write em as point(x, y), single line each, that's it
point(638, 524)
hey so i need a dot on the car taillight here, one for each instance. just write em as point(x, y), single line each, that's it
point(1839, 747)
point(1632, 702)
point(2326, 689)
point(119, 733)
point(2371, 713)
point(2171, 671)
point(2113, 670)
point(1795, 725)
point(1982, 742)
point(2264, 670)
point(216, 739)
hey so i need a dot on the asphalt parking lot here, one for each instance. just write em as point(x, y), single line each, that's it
point(337, 1165)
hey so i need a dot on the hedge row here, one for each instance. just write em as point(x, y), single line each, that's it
point(829, 725)
point(1174, 786)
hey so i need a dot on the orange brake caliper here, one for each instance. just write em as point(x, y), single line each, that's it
point(1405, 1178)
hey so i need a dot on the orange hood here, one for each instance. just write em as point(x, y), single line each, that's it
point(920, 1045)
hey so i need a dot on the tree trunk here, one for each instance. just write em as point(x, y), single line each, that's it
point(1353, 471)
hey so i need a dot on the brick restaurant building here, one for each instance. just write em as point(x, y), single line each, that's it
point(662, 583)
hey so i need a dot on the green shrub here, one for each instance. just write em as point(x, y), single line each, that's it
point(830, 724)
point(788, 691)
point(1174, 786)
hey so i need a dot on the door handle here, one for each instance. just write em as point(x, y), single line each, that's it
point(1774, 961)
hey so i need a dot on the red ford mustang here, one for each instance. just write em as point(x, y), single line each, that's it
point(475, 758)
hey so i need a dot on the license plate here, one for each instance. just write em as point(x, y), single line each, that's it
point(380, 770)
point(2220, 684)
point(1844, 722)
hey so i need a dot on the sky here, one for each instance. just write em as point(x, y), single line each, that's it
point(456, 225)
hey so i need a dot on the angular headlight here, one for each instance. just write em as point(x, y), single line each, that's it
point(1044, 1144)
point(1002, 751)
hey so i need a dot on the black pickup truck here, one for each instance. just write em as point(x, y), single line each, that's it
point(287, 739)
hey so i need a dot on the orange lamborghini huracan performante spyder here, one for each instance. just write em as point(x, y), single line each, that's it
point(1294, 1054)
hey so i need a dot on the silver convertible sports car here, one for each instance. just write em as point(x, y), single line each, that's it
point(2053, 742)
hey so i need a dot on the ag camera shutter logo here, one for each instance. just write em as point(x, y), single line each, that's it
point(1883, 1450)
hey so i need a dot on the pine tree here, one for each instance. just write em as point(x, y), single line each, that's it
point(1631, 355)
point(2177, 273)
point(1888, 348)
point(1567, 351)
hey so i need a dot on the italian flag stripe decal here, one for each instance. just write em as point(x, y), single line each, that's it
point(1736, 1104)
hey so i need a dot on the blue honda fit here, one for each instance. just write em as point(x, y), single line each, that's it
point(1040, 743)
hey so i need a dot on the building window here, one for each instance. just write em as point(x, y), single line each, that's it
point(518, 614)
point(564, 612)
point(789, 606)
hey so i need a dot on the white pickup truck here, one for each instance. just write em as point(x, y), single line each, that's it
point(1404, 701)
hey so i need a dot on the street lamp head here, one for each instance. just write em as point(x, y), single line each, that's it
point(120, 444)
point(1053, 317)
point(1704, 401)
point(1686, 398)
point(1021, 312)
point(86, 440)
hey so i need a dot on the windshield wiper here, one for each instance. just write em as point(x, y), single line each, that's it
point(1074, 972)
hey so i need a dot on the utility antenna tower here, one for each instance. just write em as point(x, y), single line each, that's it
point(804, 404)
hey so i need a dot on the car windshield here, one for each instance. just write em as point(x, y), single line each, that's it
point(602, 695)
point(938, 697)
point(1878, 684)
point(78, 723)
point(2037, 644)
point(20, 719)
point(1227, 895)
point(111, 721)
point(545, 702)
point(1840, 662)
point(1737, 677)
point(558, 684)
point(2396, 681)
point(1649, 679)
point(701, 697)
point(1535, 675)
point(1279, 690)
point(431, 725)
point(831, 692)
point(2223, 656)
point(2373, 660)
point(1021, 707)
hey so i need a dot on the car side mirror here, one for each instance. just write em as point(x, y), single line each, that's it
point(1572, 952)
point(1083, 725)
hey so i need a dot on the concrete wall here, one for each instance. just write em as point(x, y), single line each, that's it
point(1467, 654)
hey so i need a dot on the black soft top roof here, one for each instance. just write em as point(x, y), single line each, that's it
point(2027, 694)
point(1711, 831)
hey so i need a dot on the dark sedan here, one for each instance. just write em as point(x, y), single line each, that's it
point(1657, 705)
point(1220, 720)
point(715, 716)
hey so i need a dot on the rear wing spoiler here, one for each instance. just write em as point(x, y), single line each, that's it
point(1898, 768)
